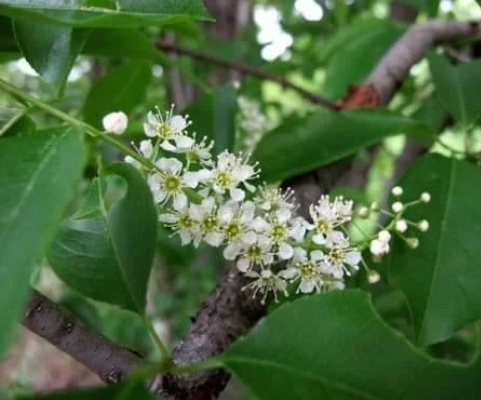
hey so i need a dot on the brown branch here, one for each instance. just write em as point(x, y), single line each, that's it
point(110, 361)
point(245, 69)
point(228, 312)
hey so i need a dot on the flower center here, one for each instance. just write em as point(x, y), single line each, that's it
point(278, 232)
point(186, 222)
point(308, 268)
point(172, 183)
point(164, 130)
point(223, 179)
point(323, 226)
point(233, 230)
point(254, 252)
point(210, 223)
point(336, 255)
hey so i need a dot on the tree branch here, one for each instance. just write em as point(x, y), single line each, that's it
point(228, 312)
point(245, 69)
point(110, 361)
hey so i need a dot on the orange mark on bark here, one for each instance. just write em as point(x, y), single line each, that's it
point(360, 96)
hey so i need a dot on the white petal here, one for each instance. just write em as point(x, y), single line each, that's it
point(191, 179)
point(300, 254)
point(285, 251)
point(185, 237)
point(249, 238)
point(317, 255)
point(298, 232)
point(184, 142)
point(174, 165)
point(159, 196)
point(306, 286)
point(215, 239)
point(353, 258)
point(243, 265)
point(260, 224)
point(289, 273)
point(167, 146)
point(178, 123)
point(231, 252)
point(180, 201)
point(226, 214)
point(146, 148)
point(168, 218)
point(150, 130)
point(162, 163)
point(319, 238)
point(237, 194)
point(283, 215)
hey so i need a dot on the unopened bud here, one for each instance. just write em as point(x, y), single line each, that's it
point(413, 243)
point(425, 197)
point(363, 212)
point(401, 226)
point(384, 236)
point(115, 122)
point(373, 276)
point(397, 191)
point(398, 207)
point(375, 206)
point(423, 225)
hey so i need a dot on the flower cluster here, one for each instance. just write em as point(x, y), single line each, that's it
point(252, 123)
point(214, 200)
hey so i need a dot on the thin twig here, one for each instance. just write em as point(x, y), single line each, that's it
point(246, 69)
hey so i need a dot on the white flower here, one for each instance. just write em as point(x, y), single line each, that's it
point(170, 182)
point(115, 122)
point(200, 152)
point(273, 199)
point(310, 272)
point(183, 224)
point(236, 220)
point(170, 130)
point(230, 171)
point(254, 249)
point(341, 256)
point(379, 247)
point(401, 226)
point(327, 216)
point(206, 215)
point(266, 282)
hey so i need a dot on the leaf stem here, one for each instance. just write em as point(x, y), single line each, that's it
point(164, 352)
point(89, 129)
point(24, 111)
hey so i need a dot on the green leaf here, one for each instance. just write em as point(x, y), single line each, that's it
point(112, 14)
point(214, 116)
point(124, 391)
point(362, 46)
point(441, 278)
point(108, 255)
point(455, 88)
point(303, 144)
point(51, 50)
point(38, 177)
point(121, 89)
point(333, 346)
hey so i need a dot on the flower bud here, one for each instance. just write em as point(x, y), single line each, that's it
point(375, 206)
point(425, 197)
point(397, 191)
point(413, 243)
point(423, 225)
point(378, 247)
point(384, 236)
point(401, 226)
point(398, 207)
point(373, 276)
point(363, 212)
point(115, 122)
